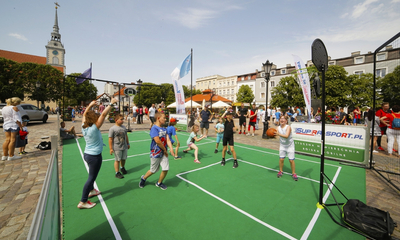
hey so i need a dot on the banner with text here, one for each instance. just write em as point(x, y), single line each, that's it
point(304, 80)
point(342, 142)
point(182, 121)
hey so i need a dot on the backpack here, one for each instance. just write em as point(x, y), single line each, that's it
point(44, 146)
point(369, 220)
point(396, 123)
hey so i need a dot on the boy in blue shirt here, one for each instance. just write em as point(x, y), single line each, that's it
point(171, 131)
point(158, 151)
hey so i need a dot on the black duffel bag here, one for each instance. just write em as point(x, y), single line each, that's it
point(372, 221)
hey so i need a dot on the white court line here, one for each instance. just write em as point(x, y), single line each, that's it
point(231, 205)
point(318, 211)
point(103, 204)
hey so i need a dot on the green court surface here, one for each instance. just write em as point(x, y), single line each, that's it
point(205, 201)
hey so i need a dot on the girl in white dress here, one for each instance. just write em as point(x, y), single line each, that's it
point(286, 147)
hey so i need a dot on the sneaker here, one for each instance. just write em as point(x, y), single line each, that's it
point(142, 182)
point(86, 205)
point(280, 174)
point(252, 135)
point(235, 164)
point(24, 152)
point(161, 185)
point(201, 136)
point(295, 177)
point(21, 153)
point(13, 158)
point(93, 193)
point(375, 151)
point(229, 152)
point(240, 132)
point(185, 151)
point(394, 150)
point(123, 170)
point(216, 151)
point(197, 161)
point(3, 158)
point(223, 162)
point(244, 132)
point(177, 157)
point(248, 134)
point(381, 149)
point(119, 175)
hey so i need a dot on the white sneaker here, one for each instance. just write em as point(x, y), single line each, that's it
point(15, 157)
point(248, 134)
point(375, 151)
point(3, 158)
point(201, 136)
point(252, 135)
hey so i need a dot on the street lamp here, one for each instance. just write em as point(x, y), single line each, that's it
point(139, 82)
point(212, 95)
point(37, 91)
point(267, 66)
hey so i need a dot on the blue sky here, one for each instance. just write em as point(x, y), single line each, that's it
point(128, 40)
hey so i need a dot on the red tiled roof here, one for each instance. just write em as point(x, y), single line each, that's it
point(121, 92)
point(207, 97)
point(22, 57)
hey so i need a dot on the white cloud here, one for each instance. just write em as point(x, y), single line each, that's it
point(194, 18)
point(359, 9)
point(395, 1)
point(18, 36)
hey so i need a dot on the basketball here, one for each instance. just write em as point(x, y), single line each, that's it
point(271, 132)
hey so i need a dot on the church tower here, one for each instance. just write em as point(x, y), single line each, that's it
point(55, 52)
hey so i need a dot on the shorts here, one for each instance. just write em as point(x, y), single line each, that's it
point(287, 151)
point(252, 124)
point(189, 144)
point(11, 130)
point(242, 121)
point(205, 125)
point(121, 155)
point(72, 115)
point(219, 137)
point(152, 119)
point(226, 140)
point(134, 114)
point(155, 164)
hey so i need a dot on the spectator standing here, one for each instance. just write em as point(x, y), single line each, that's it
point(371, 117)
point(12, 120)
point(101, 108)
point(384, 122)
point(152, 112)
point(205, 119)
point(393, 131)
point(134, 113)
point(242, 113)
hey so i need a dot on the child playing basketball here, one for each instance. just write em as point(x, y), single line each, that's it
point(229, 126)
point(119, 144)
point(158, 151)
point(171, 131)
point(252, 114)
point(286, 147)
point(190, 142)
point(219, 128)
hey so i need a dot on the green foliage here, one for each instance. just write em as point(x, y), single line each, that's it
point(361, 90)
point(148, 94)
point(186, 90)
point(337, 86)
point(76, 93)
point(390, 87)
point(287, 93)
point(245, 94)
point(11, 84)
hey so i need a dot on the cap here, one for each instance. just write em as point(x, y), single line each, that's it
point(172, 120)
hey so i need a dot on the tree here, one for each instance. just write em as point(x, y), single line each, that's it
point(11, 84)
point(76, 93)
point(390, 87)
point(148, 94)
point(361, 90)
point(337, 86)
point(245, 94)
point(186, 90)
point(287, 93)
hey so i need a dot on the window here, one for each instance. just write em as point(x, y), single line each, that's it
point(214, 82)
point(242, 78)
point(262, 84)
point(272, 83)
point(228, 83)
point(224, 92)
point(262, 74)
point(55, 60)
point(220, 92)
point(381, 56)
point(283, 71)
point(381, 72)
point(233, 83)
point(358, 72)
point(251, 86)
point(262, 95)
point(359, 60)
point(232, 91)
point(248, 77)
point(272, 73)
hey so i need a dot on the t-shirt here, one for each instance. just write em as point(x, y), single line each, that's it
point(252, 112)
point(134, 108)
point(277, 115)
point(342, 115)
point(125, 108)
point(118, 134)
point(391, 118)
point(242, 112)
point(94, 141)
point(191, 138)
point(285, 141)
point(220, 126)
point(73, 112)
point(64, 134)
point(171, 131)
point(152, 112)
point(380, 113)
point(357, 114)
point(155, 150)
point(205, 115)
point(228, 132)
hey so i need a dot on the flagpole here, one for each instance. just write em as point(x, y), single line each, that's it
point(91, 72)
point(191, 81)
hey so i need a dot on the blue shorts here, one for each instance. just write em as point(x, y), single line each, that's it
point(219, 137)
point(11, 130)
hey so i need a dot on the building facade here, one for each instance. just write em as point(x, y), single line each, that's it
point(227, 87)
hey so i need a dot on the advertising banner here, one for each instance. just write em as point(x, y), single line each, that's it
point(182, 121)
point(344, 143)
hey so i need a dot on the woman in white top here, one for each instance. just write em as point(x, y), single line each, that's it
point(12, 120)
point(286, 147)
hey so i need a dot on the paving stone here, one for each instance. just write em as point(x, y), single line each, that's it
point(17, 219)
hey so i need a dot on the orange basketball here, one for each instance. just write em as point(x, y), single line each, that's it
point(271, 132)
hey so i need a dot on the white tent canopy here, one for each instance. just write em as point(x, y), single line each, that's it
point(187, 104)
point(220, 104)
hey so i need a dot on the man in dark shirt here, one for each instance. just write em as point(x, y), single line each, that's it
point(242, 112)
point(206, 117)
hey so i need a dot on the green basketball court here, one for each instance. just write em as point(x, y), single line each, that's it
point(205, 201)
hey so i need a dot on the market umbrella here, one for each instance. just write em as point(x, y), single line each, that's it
point(191, 103)
point(220, 104)
point(172, 105)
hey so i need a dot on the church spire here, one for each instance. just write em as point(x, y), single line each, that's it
point(55, 52)
point(55, 35)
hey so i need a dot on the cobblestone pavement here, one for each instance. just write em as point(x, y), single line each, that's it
point(21, 180)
